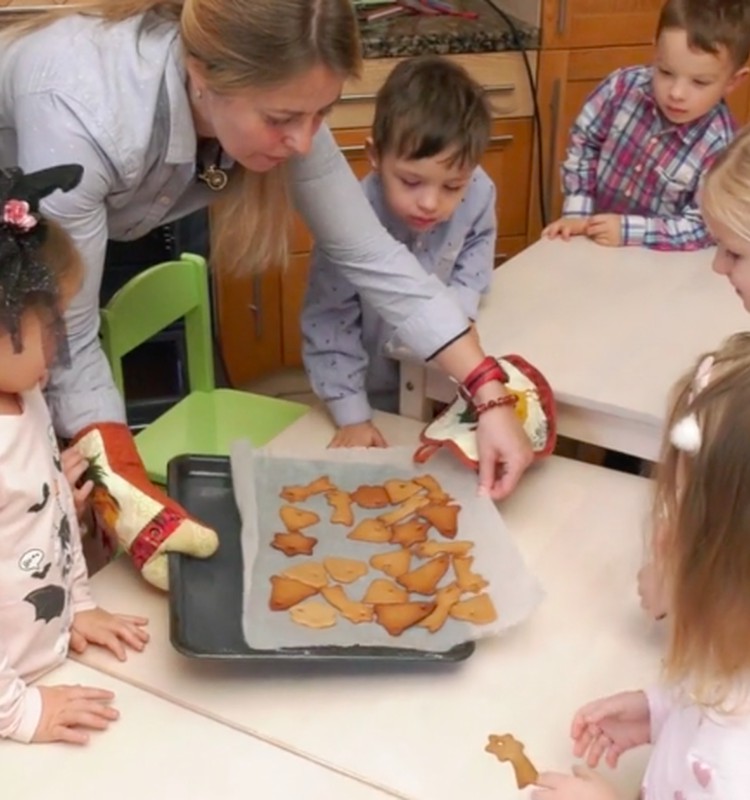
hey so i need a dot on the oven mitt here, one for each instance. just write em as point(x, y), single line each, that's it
point(455, 426)
point(131, 510)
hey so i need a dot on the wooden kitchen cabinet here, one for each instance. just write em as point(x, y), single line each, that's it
point(598, 23)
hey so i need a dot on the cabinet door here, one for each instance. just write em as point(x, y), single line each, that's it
point(596, 23)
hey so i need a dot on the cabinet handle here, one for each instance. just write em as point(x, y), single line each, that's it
point(493, 88)
point(256, 307)
point(554, 108)
point(352, 148)
point(562, 16)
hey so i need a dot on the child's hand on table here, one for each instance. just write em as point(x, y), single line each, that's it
point(73, 467)
point(583, 784)
point(565, 227)
point(611, 726)
point(68, 709)
point(605, 229)
point(364, 434)
point(113, 631)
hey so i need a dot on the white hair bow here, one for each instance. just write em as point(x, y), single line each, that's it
point(686, 432)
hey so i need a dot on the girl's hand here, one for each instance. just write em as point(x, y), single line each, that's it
point(97, 626)
point(583, 784)
point(73, 466)
point(364, 434)
point(652, 592)
point(611, 726)
point(504, 448)
point(605, 229)
point(566, 227)
point(67, 709)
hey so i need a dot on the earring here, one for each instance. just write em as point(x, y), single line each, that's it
point(198, 94)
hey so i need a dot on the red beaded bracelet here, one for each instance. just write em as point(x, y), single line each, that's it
point(489, 369)
point(499, 402)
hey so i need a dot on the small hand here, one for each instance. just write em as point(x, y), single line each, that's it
point(652, 591)
point(611, 726)
point(364, 434)
point(97, 626)
point(565, 227)
point(67, 709)
point(605, 229)
point(504, 448)
point(73, 466)
point(583, 784)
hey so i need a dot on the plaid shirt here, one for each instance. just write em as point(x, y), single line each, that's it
point(625, 158)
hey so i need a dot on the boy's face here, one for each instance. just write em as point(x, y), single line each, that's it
point(688, 83)
point(732, 257)
point(425, 192)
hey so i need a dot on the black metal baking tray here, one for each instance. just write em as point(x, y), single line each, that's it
point(205, 597)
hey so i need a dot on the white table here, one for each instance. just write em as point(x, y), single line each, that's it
point(160, 750)
point(611, 328)
point(421, 734)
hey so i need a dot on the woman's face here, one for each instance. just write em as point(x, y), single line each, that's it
point(260, 129)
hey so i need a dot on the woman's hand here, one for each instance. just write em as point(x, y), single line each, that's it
point(73, 467)
point(113, 631)
point(583, 784)
point(611, 726)
point(67, 710)
point(504, 448)
point(364, 434)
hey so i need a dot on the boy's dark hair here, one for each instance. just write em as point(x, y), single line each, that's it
point(429, 105)
point(710, 24)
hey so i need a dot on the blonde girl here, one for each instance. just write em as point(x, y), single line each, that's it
point(172, 105)
point(698, 720)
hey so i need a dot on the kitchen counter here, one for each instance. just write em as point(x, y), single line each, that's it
point(418, 34)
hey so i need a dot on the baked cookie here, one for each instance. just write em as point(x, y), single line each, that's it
point(445, 599)
point(298, 494)
point(371, 530)
point(508, 748)
point(479, 610)
point(408, 533)
point(295, 519)
point(468, 581)
point(381, 591)
point(371, 497)
point(406, 509)
point(424, 580)
point(435, 493)
point(398, 617)
point(393, 563)
point(294, 543)
point(286, 592)
point(341, 503)
point(443, 518)
point(310, 573)
point(313, 614)
point(353, 611)
point(345, 570)
point(398, 490)
point(434, 548)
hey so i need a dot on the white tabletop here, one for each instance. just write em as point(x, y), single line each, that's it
point(421, 733)
point(610, 328)
point(159, 750)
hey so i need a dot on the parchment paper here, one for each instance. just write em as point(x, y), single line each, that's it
point(258, 479)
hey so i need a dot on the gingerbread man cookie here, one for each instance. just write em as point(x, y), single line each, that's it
point(508, 748)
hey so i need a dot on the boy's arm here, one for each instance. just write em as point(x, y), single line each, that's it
point(472, 271)
point(579, 170)
point(332, 350)
point(686, 232)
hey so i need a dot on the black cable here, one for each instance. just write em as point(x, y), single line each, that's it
point(537, 116)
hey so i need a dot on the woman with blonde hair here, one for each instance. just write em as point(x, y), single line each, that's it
point(698, 718)
point(170, 105)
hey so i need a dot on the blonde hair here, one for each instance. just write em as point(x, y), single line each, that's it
point(725, 195)
point(701, 516)
point(241, 44)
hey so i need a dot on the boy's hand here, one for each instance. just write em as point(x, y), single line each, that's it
point(67, 709)
point(97, 626)
point(565, 227)
point(364, 434)
point(73, 466)
point(610, 726)
point(652, 592)
point(605, 229)
point(583, 784)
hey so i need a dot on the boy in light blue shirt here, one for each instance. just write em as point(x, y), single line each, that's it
point(431, 127)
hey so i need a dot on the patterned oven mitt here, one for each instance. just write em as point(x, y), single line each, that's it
point(455, 426)
point(132, 511)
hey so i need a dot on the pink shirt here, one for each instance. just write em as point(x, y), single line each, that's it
point(698, 753)
point(43, 579)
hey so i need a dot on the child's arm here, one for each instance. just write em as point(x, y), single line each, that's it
point(332, 349)
point(686, 232)
point(20, 705)
point(472, 271)
point(589, 131)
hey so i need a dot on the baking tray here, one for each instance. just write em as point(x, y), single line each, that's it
point(205, 597)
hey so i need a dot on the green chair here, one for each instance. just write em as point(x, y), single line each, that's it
point(208, 420)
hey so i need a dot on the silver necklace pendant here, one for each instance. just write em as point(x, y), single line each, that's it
point(214, 177)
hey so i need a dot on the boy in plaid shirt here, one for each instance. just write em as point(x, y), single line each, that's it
point(646, 134)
